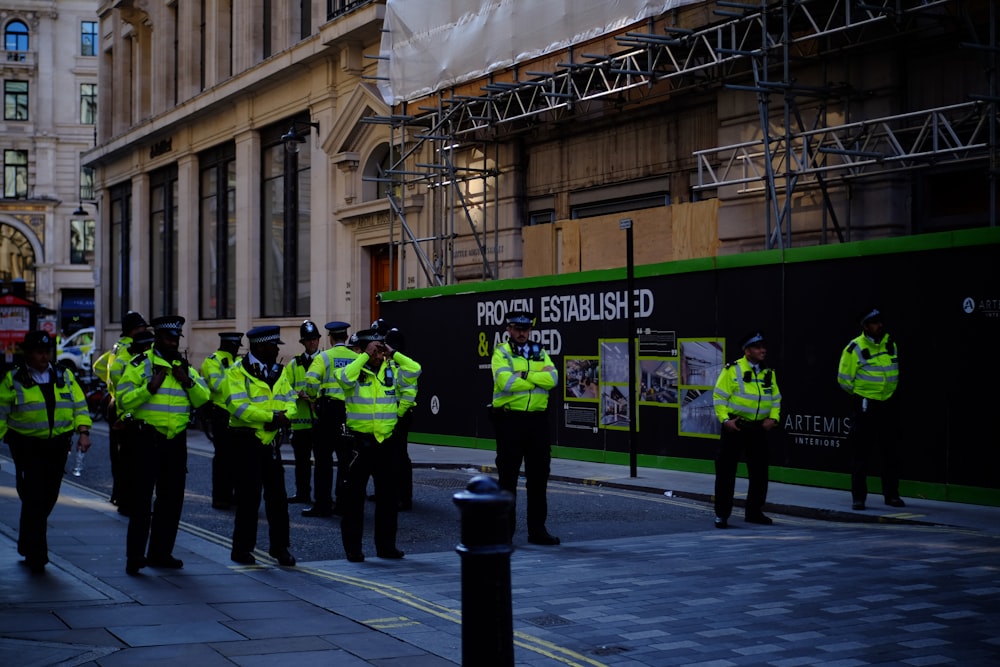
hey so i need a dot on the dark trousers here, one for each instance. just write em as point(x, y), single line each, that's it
point(873, 433)
point(38, 467)
point(123, 438)
point(378, 460)
point(223, 459)
point(258, 470)
point(302, 448)
point(324, 442)
point(118, 468)
point(523, 436)
point(751, 441)
point(158, 465)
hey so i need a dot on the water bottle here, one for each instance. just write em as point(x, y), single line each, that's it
point(78, 462)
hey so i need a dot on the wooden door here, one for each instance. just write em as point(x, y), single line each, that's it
point(381, 279)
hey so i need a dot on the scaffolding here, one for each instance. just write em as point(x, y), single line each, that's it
point(752, 48)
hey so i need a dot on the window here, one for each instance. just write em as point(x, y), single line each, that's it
point(119, 247)
point(376, 179)
point(86, 183)
point(16, 41)
point(81, 241)
point(163, 206)
point(15, 100)
point(217, 234)
point(15, 174)
point(88, 38)
point(88, 103)
point(285, 211)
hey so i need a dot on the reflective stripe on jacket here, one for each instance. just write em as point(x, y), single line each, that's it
point(214, 369)
point(169, 409)
point(252, 404)
point(296, 372)
point(868, 369)
point(23, 408)
point(321, 379)
point(743, 392)
point(405, 373)
point(513, 392)
point(371, 405)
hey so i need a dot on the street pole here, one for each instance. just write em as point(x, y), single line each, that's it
point(626, 224)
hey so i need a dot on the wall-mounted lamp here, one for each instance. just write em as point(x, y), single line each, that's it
point(295, 137)
point(80, 212)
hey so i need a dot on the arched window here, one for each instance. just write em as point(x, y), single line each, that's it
point(16, 40)
point(374, 177)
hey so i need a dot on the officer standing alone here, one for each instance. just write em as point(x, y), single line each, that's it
point(41, 407)
point(523, 375)
point(869, 373)
point(747, 402)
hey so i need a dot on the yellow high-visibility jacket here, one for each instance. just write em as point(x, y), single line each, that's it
point(520, 383)
point(169, 409)
point(869, 369)
point(743, 392)
point(253, 404)
point(23, 409)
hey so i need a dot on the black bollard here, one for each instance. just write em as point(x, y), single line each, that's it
point(487, 618)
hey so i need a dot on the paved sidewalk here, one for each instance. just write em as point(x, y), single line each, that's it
point(657, 600)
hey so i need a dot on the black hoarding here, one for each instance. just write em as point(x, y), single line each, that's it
point(941, 299)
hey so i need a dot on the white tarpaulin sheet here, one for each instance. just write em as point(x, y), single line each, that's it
point(431, 44)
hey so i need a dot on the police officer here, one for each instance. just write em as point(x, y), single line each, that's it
point(159, 390)
point(41, 407)
point(747, 402)
point(132, 324)
point(261, 406)
point(869, 373)
point(371, 403)
point(214, 369)
point(303, 431)
point(523, 374)
point(123, 433)
point(324, 388)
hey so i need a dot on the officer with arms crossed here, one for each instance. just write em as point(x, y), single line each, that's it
point(159, 389)
point(748, 403)
point(523, 374)
point(869, 372)
point(41, 407)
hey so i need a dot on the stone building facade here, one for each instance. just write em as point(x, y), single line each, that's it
point(250, 169)
point(47, 210)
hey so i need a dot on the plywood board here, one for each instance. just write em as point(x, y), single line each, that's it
point(538, 253)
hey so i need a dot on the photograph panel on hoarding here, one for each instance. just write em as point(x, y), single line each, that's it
point(701, 362)
point(582, 378)
point(697, 414)
point(616, 400)
point(658, 381)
